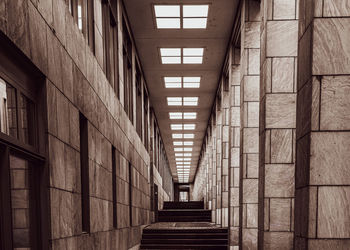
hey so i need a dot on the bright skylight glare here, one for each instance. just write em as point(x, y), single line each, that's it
point(193, 52)
point(179, 82)
point(171, 60)
point(177, 143)
point(195, 10)
point(189, 126)
point(192, 60)
point(175, 115)
point(176, 126)
point(170, 52)
point(167, 10)
point(190, 101)
point(188, 143)
point(179, 154)
point(187, 154)
point(187, 159)
point(177, 136)
point(174, 101)
point(178, 149)
point(190, 115)
point(188, 136)
point(187, 149)
point(195, 23)
point(168, 23)
point(172, 82)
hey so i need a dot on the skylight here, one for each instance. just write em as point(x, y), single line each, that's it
point(179, 82)
point(191, 17)
point(182, 115)
point(184, 55)
point(190, 115)
point(179, 154)
point(185, 101)
point(184, 136)
point(175, 115)
point(187, 154)
point(182, 126)
point(177, 143)
point(188, 143)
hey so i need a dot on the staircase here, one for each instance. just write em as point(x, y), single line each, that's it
point(184, 225)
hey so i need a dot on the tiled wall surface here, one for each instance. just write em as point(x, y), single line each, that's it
point(46, 33)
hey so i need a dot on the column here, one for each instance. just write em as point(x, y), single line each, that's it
point(322, 196)
point(218, 160)
point(279, 34)
point(249, 152)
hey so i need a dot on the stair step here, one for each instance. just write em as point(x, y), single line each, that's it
point(185, 241)
point(203, 247)
point(185, 236)
point(184, 205)
point(187, 231)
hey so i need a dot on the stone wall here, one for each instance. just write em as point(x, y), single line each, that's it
point(45, 31)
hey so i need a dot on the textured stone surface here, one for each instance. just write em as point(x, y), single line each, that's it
point(251, 88)
point(333, 212)
point(279, 180)
point(332, 8)
point(320, 244)
point(331, 38)
point(280, 110)
point(282, 38)
point(250, 238)
point(280, 214)
point(282, 75)
point(335, 103)
point(329, 158)
point(283, 9)
point(250, 140)
point(278, 240)
point(281, 145)
point(250, 191)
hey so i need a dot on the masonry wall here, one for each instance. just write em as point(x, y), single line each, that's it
point(75, 82)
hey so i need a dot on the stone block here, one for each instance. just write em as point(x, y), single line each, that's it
point(334, 8)
point(329, 158)
point(59, 19)
point(249, 238)
point(278, 240)
point(335, 103)
point(327, 244)
point(66, 221)
point(251, 88)
point(281, 145)
point(280, 110)
point(253, 61)
point(51, 108)
point(282, 38)
point(63, 125)
point(57, 164)
point(67, 75)
point(283, 9)
point(279, 180)
point(54, 59)
point(331, 38)
point(253, 114)
point(333, 212)
point(280, 214)
point(252, 165)
point(283, 75)
point(250, 140)
point(250, 190)
point(252, 215)
point(45, 9)
point(252, 35)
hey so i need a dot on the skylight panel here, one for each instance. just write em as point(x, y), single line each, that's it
point(193, 52)
point(175, 115)
point(172, 82)
point(174, 101)
point(190, 115)
point(190, 101)
point(195, 10)
point(192, 60)
point(189, 126)
point(195, 23)
point(168, 23)
point(187, 149)
point(177, 143)
point(179, 159)
point(170, 52)
point(187, 154)
point(188, 136)
point(176, 126)
point(187, 159)
point(167, 10)
point(171, 60)
point(178, 149)
point(177, 136)
point(188, 143)
point(179, 154)
point(191, 82)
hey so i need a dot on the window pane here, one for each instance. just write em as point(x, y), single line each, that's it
point(20, 199)
point(167, 10)
point(8, 109)
point(26, 111)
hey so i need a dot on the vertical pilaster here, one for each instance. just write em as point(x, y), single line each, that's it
point(218, 161)
point(322, 203)
point(279, 33)
point(249, 107)
point(234, 147)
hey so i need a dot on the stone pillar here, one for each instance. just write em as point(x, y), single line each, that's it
point(279, 33)
point(322, 196)
point(235, 124)
point(218, 162)
point(213, 162)
point(249, 153)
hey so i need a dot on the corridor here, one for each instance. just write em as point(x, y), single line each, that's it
point(173, 124)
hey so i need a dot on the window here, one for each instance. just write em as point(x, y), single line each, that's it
point(181, 55)
point(127, 70)
point(145, 116)
point(83, 14)
point(84, 171)
point(110, 39)
point(191, 16)
point(138, 102)
point(182, 101)
point(115, 159)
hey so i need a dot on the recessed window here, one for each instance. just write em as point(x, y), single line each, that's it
point(184, 55)
point(185, 101)
point(179, 82)
point(182, 126)
point(191, 17)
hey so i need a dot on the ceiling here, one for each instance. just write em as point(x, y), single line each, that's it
point(213, 39)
